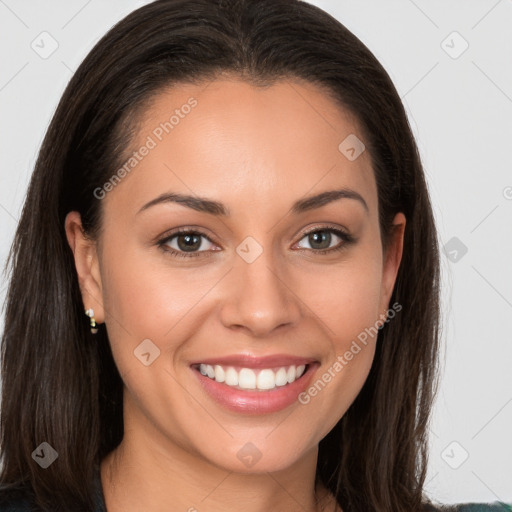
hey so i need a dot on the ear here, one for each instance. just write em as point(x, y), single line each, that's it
point(87, 265)
point(391, 263)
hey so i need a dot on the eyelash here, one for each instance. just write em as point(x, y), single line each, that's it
point(347, 240)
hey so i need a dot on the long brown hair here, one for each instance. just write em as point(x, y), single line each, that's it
point(60, 382)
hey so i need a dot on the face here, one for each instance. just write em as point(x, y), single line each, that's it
point(264, 288)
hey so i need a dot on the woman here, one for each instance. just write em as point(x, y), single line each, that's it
point(184, 343)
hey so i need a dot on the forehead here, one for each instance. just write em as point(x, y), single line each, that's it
point(230, 139)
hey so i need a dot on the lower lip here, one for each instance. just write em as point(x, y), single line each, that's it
point(256, 402)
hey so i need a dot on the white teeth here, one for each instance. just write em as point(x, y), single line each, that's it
point(266, 380)
point(290, 375)
point(281, 379)
point(248, 378)
point(231, 377)
point(220, 374)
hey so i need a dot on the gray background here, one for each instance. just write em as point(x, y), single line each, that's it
point(459, 102)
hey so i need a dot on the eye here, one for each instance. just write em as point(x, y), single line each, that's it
point(185, 243)
point(320, 240)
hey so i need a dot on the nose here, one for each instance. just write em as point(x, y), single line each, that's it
point(258, 298)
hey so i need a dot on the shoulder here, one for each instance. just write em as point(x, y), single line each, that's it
point(496, 506)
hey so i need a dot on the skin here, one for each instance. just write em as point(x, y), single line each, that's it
point(257, 150)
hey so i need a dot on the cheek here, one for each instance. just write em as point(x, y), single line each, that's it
point(147, 298)
point(345, 297)
point(143, 294)
point(346, 300)
point(354, 314)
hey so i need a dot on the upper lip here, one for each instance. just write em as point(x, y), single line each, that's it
point(250, 361)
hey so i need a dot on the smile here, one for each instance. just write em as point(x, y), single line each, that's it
point(250, 385)
point(263, 379)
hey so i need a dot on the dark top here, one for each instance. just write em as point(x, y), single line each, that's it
point(22, 503)
point(16, 501)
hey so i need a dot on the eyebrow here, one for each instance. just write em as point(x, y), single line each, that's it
point(212, 207)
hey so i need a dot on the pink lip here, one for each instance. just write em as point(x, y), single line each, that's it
point(257, 402)
point(249, 361)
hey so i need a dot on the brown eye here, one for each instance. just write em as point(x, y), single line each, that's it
point(320, 240)
point(185, 244)
point(188, 242)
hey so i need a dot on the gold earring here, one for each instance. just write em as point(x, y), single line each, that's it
point(90, 314)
